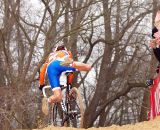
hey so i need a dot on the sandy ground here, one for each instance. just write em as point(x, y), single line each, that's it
point(147, 125)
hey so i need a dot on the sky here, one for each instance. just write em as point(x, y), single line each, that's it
point(35, 2)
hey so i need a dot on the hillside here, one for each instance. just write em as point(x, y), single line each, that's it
point(147, 125)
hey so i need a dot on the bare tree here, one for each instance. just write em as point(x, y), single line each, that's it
point(110, 35)
point(114, 58)
point(23, 53)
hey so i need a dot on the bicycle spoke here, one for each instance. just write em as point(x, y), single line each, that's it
point(57, 115)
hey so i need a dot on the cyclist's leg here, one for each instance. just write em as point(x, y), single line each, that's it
point(56, 97)
point(70, 64)
point(57, 94)
point(54, 76)
point(81, 66)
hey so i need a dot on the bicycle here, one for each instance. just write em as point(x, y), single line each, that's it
point(69, 112)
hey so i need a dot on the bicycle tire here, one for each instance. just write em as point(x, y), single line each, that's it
point(57, 115)
point(78, 102)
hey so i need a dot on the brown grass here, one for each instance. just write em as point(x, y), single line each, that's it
point(147, 125)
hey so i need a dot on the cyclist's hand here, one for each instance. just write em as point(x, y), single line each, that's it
point(41, 86)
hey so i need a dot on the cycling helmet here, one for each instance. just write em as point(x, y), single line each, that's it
point(60, 47)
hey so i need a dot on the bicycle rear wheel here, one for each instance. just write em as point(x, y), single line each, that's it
point(76, 108)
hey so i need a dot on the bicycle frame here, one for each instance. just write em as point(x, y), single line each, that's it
point(68, 87)
point(71, 110)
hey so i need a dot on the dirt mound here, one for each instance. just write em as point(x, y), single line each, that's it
point(147, 125)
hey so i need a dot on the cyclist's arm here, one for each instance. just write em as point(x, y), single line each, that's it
point(42, 74)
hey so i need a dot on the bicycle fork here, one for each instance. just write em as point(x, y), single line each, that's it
point(63, 107)
point(68, 114)
point(65, 110)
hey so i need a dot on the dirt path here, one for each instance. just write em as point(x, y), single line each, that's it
point(147, 125)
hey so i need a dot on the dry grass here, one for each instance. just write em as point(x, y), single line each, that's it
point(147, 125)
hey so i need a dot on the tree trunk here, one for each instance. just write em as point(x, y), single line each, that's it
point(144, 109)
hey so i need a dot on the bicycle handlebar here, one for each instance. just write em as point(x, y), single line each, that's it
point(44, 88)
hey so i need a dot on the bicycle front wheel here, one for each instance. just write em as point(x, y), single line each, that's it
point(76, 108)
point(57, 115)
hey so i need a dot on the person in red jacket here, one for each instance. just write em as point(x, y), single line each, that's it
point(155, 44)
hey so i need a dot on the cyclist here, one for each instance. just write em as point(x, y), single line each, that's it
point(58, 61)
